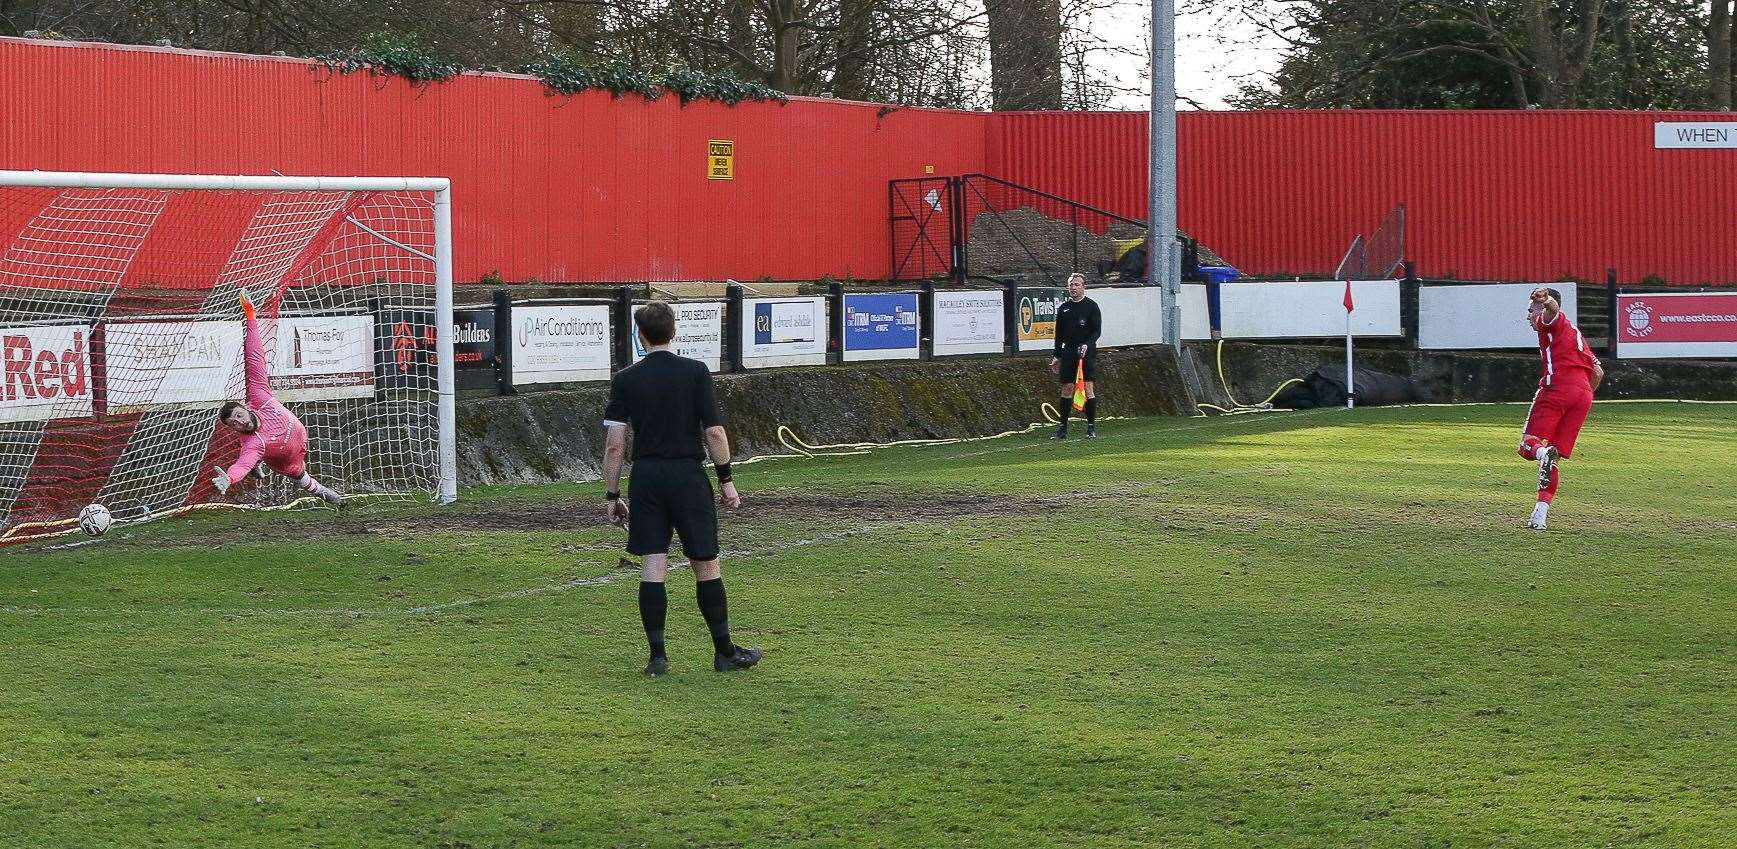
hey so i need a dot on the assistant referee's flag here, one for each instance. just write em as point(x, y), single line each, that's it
point(1080, 386)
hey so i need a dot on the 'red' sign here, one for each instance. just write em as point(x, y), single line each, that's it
point(44, 373)
point(1676, 325)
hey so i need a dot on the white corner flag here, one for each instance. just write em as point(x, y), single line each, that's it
point(1350, 378)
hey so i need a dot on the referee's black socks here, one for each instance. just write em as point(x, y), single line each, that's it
point(717, 613)
point(1091, 411)
point(1067, 409)
point(653, 604)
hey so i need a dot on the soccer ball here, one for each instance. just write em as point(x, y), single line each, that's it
point(95, 520)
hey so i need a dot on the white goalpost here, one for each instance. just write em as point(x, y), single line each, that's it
point(121, 336)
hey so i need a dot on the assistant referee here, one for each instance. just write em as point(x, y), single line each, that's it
point(1078, 323)
point(668, 400)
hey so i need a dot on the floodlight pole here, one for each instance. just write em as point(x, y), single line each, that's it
point(1163, 255)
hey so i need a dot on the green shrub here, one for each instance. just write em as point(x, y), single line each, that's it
point(402, 55)
point(393, 54)
point(568, 73)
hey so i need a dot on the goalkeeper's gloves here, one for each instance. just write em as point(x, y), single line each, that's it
point(246, 306)
point(221, 481)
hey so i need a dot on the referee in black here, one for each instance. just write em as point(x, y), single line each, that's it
point(1078, 324)
point(668, 400)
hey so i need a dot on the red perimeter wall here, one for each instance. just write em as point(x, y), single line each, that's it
point(584, 188)
point(1489, 195)
point(593, 188)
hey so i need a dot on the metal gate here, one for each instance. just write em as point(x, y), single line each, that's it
point(923, 213)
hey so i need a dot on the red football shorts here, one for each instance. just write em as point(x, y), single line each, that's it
point(1557, 414)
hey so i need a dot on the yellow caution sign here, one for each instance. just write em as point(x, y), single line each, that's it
point(720, 159)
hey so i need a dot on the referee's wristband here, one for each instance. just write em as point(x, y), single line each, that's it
point(723, 470)
point(611, 496)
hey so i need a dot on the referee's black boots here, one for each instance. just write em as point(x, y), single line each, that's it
point(738, 658)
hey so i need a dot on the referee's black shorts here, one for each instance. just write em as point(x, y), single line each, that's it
point(671, 496)
point(1069, 364)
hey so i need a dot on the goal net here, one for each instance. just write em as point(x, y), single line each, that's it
point(121, 336)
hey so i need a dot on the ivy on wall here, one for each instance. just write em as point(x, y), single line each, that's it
point(565, 73)
point(395, 55)
point(402, 55)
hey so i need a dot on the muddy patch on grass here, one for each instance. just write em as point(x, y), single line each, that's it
point(879, 504)
point(859, 506)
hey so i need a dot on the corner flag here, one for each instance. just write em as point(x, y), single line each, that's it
point(1350, 376)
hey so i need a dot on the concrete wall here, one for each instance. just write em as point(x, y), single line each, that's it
point(544, 436)
point(557, 435)
point(1254, 370)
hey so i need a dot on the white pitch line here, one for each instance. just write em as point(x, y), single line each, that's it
point(605, 579)
point(611, 577)
point(626, 573)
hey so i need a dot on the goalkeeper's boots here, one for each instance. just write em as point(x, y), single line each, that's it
point(332, 498)
point(738, 658)
point(1546, 461)
point(657, 667)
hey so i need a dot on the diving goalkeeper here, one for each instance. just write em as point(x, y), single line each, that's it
point(269, 431)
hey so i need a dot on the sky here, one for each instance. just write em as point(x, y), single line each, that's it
point(1214, 53)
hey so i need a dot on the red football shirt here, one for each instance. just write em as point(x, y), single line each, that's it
point(1568, 363)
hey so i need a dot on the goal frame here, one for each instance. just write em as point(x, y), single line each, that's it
point(446, 489)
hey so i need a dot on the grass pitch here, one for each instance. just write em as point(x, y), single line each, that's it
point(1301, 630)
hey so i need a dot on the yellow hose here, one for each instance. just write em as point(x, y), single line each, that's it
point(1237, 408)
point(800, 448)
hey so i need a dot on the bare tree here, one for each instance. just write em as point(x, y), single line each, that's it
point(856, 29)
point(1557, 54)
point(1025, 54)
point(846, 48)
point(1719, 55)
point(916, 52)
point(1560, 54)
point(1090, 59)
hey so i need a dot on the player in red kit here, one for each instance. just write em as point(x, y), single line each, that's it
point(1571, 373)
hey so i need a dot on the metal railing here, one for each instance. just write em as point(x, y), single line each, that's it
point(978, 226)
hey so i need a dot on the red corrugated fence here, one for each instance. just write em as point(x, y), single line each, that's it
point(593, 188)
point(585, 188)
point(1489, 195)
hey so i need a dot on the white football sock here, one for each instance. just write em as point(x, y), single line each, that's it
point(308, 483)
